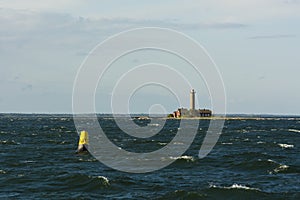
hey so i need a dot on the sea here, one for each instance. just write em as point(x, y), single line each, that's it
point(256, 157)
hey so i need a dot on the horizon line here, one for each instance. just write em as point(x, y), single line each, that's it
point(141, 113)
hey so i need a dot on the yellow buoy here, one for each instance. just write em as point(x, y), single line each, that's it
point(84, 138)
point(83, 142)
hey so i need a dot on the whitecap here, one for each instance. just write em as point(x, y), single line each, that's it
point(235, 186)
point(162, 143)
point(188, 158)
point(153, 125)
point(272, 161)
point(294, 130)
point(105, 180)
point(286, 146)
point(281, 168)
point(87, 160)
point(2, 171)
point(180, 143)
point(260, 142)
point(227, 143)
point(28, 161)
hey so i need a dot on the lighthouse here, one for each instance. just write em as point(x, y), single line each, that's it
point(192, 100)
point(192, 112)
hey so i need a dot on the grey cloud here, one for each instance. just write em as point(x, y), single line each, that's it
point(171, 23)
point(26, 23)
point(27, 87)
point(272, 36)
point(291, 1)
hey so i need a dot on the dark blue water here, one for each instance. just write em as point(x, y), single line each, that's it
point(255, 158)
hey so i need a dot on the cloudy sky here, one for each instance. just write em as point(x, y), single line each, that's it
point(254, 43)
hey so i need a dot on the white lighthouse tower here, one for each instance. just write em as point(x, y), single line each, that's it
point(192, 100)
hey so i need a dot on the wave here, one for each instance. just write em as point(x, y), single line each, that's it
point(186, 158)
point(104, 179)
point(286, 146)
point(294, 130)
point(227, 143)
point(181, 194)
point(235, 186)
point(83, 182)
point(272, 161)
point(281, 168)
point(153, 125)
point(178, 143)
point(28, 161)
point(9, 142)
point(263, 166)
point(162, 143)
point(88, 160)
point(234, 191)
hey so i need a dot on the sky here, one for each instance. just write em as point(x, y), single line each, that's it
point(255, 45)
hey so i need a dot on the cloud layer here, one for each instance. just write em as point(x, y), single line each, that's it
point(42, 44)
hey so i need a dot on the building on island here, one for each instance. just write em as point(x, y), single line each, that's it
point(192, 112)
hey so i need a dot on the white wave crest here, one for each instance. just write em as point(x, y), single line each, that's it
point(153, 125)
point(178, 143)
point(272, 161)
point(104, 179)
point(235, 186)
point(162, 143)
point(227, 143)
point(294, 130)
point(188, 158)
point(286, 146)
point(281, 168)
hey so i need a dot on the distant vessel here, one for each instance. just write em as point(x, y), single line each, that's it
point(192, 112)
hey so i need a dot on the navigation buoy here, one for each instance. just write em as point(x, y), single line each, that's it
point(83, 142)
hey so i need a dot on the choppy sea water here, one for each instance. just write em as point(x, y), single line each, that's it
point(255, 158)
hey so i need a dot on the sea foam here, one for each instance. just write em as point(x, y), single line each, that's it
point(294, 130)
point(104, 179)
point(286, 146)
point(235, 186)
point(188, 158)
